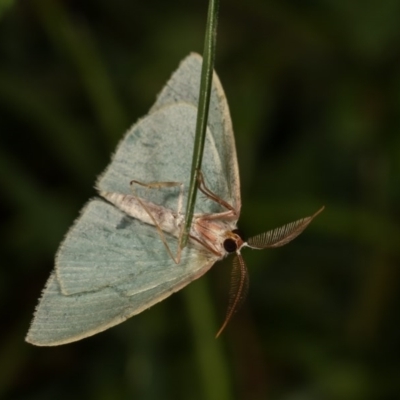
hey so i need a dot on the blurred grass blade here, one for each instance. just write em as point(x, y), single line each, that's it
point(209, 353)
point(79, 46)
point(66, 139)
point(4, 6)
point(34, 207)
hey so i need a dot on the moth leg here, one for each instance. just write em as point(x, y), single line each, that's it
point(158, 185)
point(211, 195)
point(204, 244)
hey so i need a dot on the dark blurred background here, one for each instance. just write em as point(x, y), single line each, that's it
point(314, 92)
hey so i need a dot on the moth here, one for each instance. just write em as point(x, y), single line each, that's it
point(121, 256)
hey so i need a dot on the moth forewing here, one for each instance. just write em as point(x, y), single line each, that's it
point(183, 87)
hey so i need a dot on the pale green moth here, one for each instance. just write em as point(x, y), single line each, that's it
point(117, 259)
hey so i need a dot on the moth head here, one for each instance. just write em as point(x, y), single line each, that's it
point(233, 241)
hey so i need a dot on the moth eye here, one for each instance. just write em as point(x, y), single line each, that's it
point(230, 245)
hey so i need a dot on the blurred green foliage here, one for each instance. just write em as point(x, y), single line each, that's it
point(314, 90)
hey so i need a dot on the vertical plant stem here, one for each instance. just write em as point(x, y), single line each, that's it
point(207, 70)
point(213, 369)
point(209, 352)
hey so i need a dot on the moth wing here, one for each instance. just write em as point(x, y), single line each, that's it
point(184, 86)
point(115, 267)
point(155, 149)
point(159, 148)
point(61, 319)
point(105, 247)
point(111, 267)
